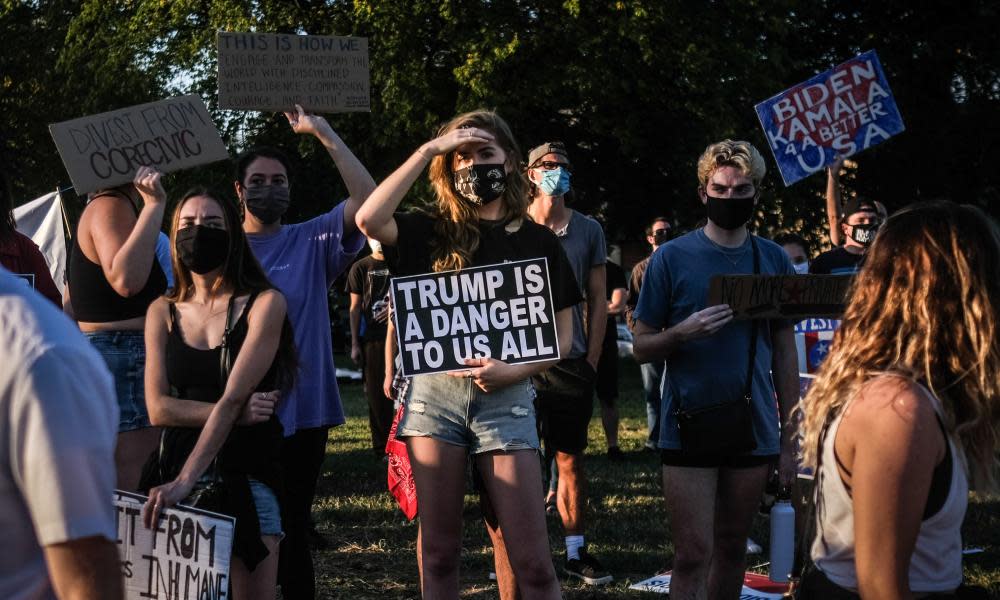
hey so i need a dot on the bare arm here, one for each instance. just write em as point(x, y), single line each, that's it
point(390, 359)
point(890, 441)
point(785, 371)
point(616, 305)
point(261, 345)
point(125, 245)
point(833, 201)
point(355, 315)
point(375, 216)
point(650, 344)
point(597, 313)
point(356, 177)
point(85, 569)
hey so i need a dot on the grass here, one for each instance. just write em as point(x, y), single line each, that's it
point(371, 546)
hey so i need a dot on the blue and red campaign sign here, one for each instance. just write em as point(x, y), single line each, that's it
point(839, 112)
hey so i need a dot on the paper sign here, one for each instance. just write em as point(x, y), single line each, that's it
point(502, 311)
point(186, 557)
point(105, 150)
point(755, 586)
point(780, 296)
point(276, 71)
point(839, 112)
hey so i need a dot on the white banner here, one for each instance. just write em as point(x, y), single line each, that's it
point(755, 586)
point(42, 221)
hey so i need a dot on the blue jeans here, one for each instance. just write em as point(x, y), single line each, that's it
point(125, 354)
point(652, 385)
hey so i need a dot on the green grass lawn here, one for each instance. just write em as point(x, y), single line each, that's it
point(370, 549)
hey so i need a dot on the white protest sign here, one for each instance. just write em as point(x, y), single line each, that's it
point(186, 557)
point(755, 586)
point(276, 71)
point(503, 311)
point(105, 150)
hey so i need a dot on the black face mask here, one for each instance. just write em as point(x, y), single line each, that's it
point(267, 202)
point(730, 213)
point(865, 234)
point(202, 249)
point(481, 184)
point(661, 237)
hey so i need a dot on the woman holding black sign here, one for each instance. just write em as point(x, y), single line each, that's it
point(479, 218)
point(220, 348)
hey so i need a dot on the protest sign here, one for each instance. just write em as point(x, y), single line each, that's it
point(185, 557)
point(755, 586)
point(105, 150)
point(780, 296)
point(839, 112)
point(812, 342)
point(276, 71)
point(503, 311)
point(42, 221)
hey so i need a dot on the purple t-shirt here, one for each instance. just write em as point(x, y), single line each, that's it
point(302, 260)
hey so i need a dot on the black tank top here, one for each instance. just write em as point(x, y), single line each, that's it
point(93, 298)
point(249, 451)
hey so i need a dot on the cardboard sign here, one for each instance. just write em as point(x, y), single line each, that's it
point(839, 112)
point(755, 586)
point(186, 557)
point(780, 296)
point(276, 71)
point(105, 150)
point(502, 311)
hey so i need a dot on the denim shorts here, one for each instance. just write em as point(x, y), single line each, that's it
point(268, 511)
point(456, 411)
point(125, 354)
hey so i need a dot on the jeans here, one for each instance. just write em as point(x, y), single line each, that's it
point(652, 385)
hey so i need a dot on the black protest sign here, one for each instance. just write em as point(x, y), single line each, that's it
point(780, 296)
point(105, 150)
point(276, 71)
point(503, 311)
point(184, 557)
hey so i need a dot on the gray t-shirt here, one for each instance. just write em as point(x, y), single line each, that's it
point(58, 425)
point(583, 241)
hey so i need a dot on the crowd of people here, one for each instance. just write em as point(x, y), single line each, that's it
point(217, 367)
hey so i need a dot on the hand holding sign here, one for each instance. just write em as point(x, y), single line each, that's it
point(161, 497)
point(303, 122)
point(489, 373)
point(147, 183)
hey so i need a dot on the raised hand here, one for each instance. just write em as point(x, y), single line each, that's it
point(455, 138)
point(147, 183)
point(303, 122)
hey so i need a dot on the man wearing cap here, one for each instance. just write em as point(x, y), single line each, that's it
point(566, 391)
point(859, 221)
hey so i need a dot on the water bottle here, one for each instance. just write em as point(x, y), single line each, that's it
point(782, 537)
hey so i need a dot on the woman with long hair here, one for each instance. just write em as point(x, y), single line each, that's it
point(216, 435)
point(479, 217)
point(905, 407)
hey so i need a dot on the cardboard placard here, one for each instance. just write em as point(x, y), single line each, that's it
point(105, 150)
point(186, 557)
point(780, 296)
point(276, 71)
point(502, 311)
point(839, 112)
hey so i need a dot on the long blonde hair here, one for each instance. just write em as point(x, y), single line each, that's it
point(456, 220)
point(924, 306)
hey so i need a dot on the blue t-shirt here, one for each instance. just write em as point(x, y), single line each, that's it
point(713, 369)
point(302, 261)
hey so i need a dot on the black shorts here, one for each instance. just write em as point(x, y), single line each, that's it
point(607, 366)
point(679, 458)
point(565, 404)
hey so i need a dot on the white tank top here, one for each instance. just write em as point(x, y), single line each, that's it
point(936, 564)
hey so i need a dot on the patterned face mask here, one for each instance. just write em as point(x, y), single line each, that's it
point(481, 184)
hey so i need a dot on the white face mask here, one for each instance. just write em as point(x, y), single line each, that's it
point(375, 245)
point(801, 268)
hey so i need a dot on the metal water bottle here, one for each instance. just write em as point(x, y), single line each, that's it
point(782, 537)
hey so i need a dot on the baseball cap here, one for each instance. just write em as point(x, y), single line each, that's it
point(856, 205)
point(538, 152)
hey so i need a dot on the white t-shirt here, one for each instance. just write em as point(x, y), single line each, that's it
point(58, 425)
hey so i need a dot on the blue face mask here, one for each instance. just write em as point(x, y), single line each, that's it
point(554, 182)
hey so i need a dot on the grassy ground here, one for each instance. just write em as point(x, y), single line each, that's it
point(370, 552)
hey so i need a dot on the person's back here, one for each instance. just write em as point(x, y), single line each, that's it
point(58, 421)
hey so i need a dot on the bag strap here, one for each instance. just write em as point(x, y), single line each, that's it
point(754, 325)
point(225, 355)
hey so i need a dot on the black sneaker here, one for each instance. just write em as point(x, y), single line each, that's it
point(615, 454)
point(587, 569)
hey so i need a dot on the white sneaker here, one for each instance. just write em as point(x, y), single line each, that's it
point(753, 547)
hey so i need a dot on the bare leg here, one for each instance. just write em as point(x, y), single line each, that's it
point(439, 473)
point(133, 448)
point(572, 494)
point(506, 582)
point(261, 583)
point(690, 497)
point(513, 480)
point(738, 496)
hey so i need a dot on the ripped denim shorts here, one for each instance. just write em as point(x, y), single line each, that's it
point(456, 411)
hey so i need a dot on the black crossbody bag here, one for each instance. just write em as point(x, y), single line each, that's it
point(725, 427)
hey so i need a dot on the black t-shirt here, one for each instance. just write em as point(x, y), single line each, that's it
point(836, 262)
point(369, 278)
point(615, 279)
point(412, 254)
